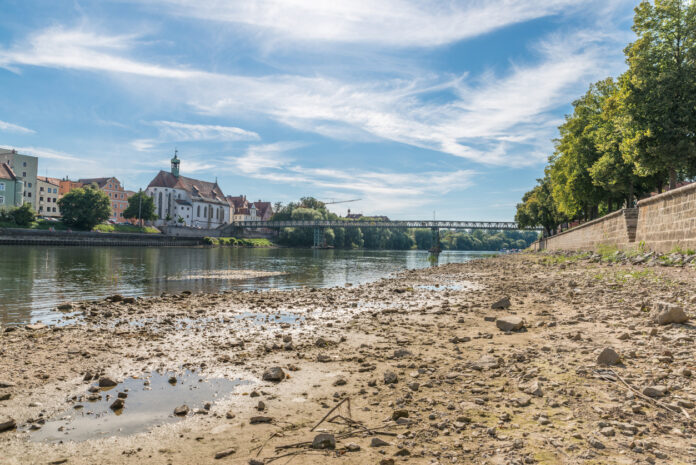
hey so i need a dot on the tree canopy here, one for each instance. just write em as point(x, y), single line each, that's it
point(85, 207)
point(140, 205)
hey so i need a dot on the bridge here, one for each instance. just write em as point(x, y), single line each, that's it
point(320, 225)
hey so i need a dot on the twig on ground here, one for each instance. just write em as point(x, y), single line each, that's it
point(347, 399)
point(649, 399)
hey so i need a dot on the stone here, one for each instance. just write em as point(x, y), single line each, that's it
point(523, 401)
point(377, 442)
point(261, 406)
point(117, 405)
point(532, 388)
point(65, 307)
point(321, 343)
point(486, 362)
point(509, 323)
point(608, 356)
point(399, 414)
point(5, 396)
point(684, 371)
point(352, 447)
point(230, 415)
point(390, 377)
point(274, 374)
point(596, 443)
point(7, 424)
point(386, 462)
point(403, 453)
point(655, 391)
point(401, 353)
point(607, 431)
point(501, 304)
point(115, 298)
point(670, 313)
point(105, 382)
point(35, 326)
point(324, 441)
point(6, 384)
point(225, 453)
point(340, 381)
point(259, 420)
point(181, 410)
point(323, 358)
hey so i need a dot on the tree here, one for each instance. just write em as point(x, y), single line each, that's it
point(84, 208)
point(141, 206)
point(661, 89)
point(23, 215)
point(538, 208)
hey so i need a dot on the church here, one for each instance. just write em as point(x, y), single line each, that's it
point(186, 201)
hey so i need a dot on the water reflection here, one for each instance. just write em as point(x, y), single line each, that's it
point(35, 279)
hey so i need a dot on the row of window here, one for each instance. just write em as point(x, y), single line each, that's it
point(49, 199)
point(48, 209)
point(116, 196)
point(50, 190)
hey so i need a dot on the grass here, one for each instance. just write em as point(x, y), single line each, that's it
point(234, 242)
point(125, 228)
point(38, 224)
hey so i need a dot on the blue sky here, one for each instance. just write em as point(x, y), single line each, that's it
point(412, 106)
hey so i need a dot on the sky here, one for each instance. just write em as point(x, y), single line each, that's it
point(418, 108)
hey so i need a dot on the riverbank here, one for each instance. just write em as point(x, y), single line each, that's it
point(430, 374)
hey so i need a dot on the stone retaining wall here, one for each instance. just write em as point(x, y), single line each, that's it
point(13, 236)
point(668, 220)
point(616, 229)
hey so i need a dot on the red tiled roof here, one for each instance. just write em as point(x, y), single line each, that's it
point(197, 189)
point(262, 208)
point(237, 202)
point(54, 181)
point(98, 181)
point(6, 172)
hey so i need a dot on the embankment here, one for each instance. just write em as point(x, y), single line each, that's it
point(12, 236)
point(661, 223)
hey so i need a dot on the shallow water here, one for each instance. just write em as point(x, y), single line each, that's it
point(151, 402)
point(35, 279)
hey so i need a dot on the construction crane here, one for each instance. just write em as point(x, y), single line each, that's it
point(340, 201)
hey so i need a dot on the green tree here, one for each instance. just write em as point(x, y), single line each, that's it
point(538, 208)
point(23, 215)
point(84, 208)
point(661, 89)
point(141, 206)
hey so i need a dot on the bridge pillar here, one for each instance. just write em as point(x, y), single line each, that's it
point(319, 240)
point(435, 242)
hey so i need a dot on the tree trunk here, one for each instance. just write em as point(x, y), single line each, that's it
point(630, 196)
point(672, 179)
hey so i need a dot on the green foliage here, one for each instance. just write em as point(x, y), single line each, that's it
point(84, 208)
point(125, 228)
point(141, 206)
point(476, 239)
point(538, 208)
point(18, 217)
point(234, 242)
point(211, 241)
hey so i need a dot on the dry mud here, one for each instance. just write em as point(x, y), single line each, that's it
point(409, 369)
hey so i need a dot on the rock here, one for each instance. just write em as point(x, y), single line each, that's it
point(390, 377)
point(321, 343)
point(655, 391)
point(607, 431)
point(403, 453)
point(523, 401)
point(129, 300)
point(386, 462)
point(377, 442)
point(230, 415)
point(258, 420)
point(6, 384)
point(261, 406)
point(323, 358)
point(181, 410)
point(35, 326)
point(324, 441)
point(340, 381)
point(117, 405)
point(486, 362)
point(105, 381)
point(401, 353)
point(509, 323)
point(172, 380)
point(532, 388)
point(399, 414)
point(115, 298)
point(596, 443)
point(5, 396)
point(684, 371)
point(275, 374)
point(414, 386)
point(501, 304)
point(7, 424)
point(670, 313)
point(225, 453)
point(64, 307)
point(608, 357)
point(352, 447)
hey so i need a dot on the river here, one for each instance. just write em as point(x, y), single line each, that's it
point(35, 279)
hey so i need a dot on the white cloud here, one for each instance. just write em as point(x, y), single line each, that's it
point(171, 130)
point(42, 152)
point(394, 23)
point(9, 127)
point(379, 191)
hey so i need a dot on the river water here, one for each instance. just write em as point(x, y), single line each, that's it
point(35, 279)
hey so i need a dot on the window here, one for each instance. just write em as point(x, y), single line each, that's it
point(40, 209)
point(24, 174)
point(24, 164)
point(198, 212)
point(54, 209)
point(28, 194)
point(41, 189)
point(29, 184)
point(41, 199)
point(2, 186)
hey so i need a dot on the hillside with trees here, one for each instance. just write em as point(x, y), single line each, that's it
point(627, 136)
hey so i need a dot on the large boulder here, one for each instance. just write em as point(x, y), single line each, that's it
point(670, 313)
point(509, 323)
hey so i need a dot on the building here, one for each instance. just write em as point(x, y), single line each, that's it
point(49, 193)
point(117, 194)
point(187, 201)
point(264, 210)
point(25, 168)
point(66, 185)
point(11, 188)
point(240, 208)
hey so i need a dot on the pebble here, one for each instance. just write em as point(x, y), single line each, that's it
point(324, 441)
point(274, 374)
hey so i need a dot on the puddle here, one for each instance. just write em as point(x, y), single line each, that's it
point(265, 318)
point(150, 402)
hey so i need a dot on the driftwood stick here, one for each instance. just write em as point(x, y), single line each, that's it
point(649, 399)
point(330, 412)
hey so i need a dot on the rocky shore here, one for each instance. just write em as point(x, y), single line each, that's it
point(508, 360)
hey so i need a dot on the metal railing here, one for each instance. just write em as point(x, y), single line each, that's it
point(492, 225)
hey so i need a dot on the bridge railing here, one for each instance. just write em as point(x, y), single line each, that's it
point(492, 225)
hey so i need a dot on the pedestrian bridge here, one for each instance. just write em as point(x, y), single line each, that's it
point(320, 225)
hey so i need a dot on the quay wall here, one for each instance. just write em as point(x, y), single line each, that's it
point(15, 236)
point(659, 223)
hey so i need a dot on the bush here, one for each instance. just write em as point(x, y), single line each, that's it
point(211, 241)
point(22, 216)
point(84, 208)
